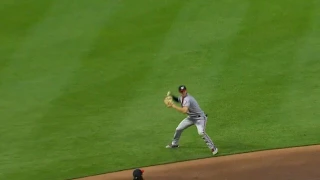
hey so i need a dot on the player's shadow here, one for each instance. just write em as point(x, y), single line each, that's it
point(227, 148)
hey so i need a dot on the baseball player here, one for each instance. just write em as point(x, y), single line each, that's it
point(196, 117)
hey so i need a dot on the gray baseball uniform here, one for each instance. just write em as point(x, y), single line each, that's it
point(194, 110)
point(196, 116)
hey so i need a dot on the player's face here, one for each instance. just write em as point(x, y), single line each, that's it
point(183, 93)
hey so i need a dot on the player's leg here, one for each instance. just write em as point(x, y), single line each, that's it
point(201, 127)
point(184, 124)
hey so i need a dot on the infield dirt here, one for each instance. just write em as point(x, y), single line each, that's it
point(299, 163)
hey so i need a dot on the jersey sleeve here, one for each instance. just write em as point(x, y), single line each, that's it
point(186, 102)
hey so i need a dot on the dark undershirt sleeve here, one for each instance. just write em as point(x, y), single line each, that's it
point(175, 98)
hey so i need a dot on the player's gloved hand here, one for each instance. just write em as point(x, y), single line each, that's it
point(168, 100)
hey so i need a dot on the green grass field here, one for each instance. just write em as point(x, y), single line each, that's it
point(82, 83)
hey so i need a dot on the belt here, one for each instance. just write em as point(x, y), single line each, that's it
point(201, 116)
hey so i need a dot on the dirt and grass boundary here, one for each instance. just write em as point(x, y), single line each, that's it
point(297, 163)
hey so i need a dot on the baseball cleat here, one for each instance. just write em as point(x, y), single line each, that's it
point(214, 151)
point(172, 146)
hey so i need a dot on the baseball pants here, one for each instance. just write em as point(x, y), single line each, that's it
point(200, 123)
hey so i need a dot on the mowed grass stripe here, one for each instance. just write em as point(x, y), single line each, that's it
point(16, 18)
point(40, 68)
point(258, 76)
point(302, 102)
point(17, 21)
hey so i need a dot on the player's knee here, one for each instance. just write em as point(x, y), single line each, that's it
point(179, 129)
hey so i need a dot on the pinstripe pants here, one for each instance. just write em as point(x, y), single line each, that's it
point(200, 123)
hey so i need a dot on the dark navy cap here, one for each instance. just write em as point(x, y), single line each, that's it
point(182, 88)
point(137, 174)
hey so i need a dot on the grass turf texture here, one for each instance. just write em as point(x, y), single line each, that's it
point(82, 83)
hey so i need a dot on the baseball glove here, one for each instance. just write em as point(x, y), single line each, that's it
point(168, 100)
